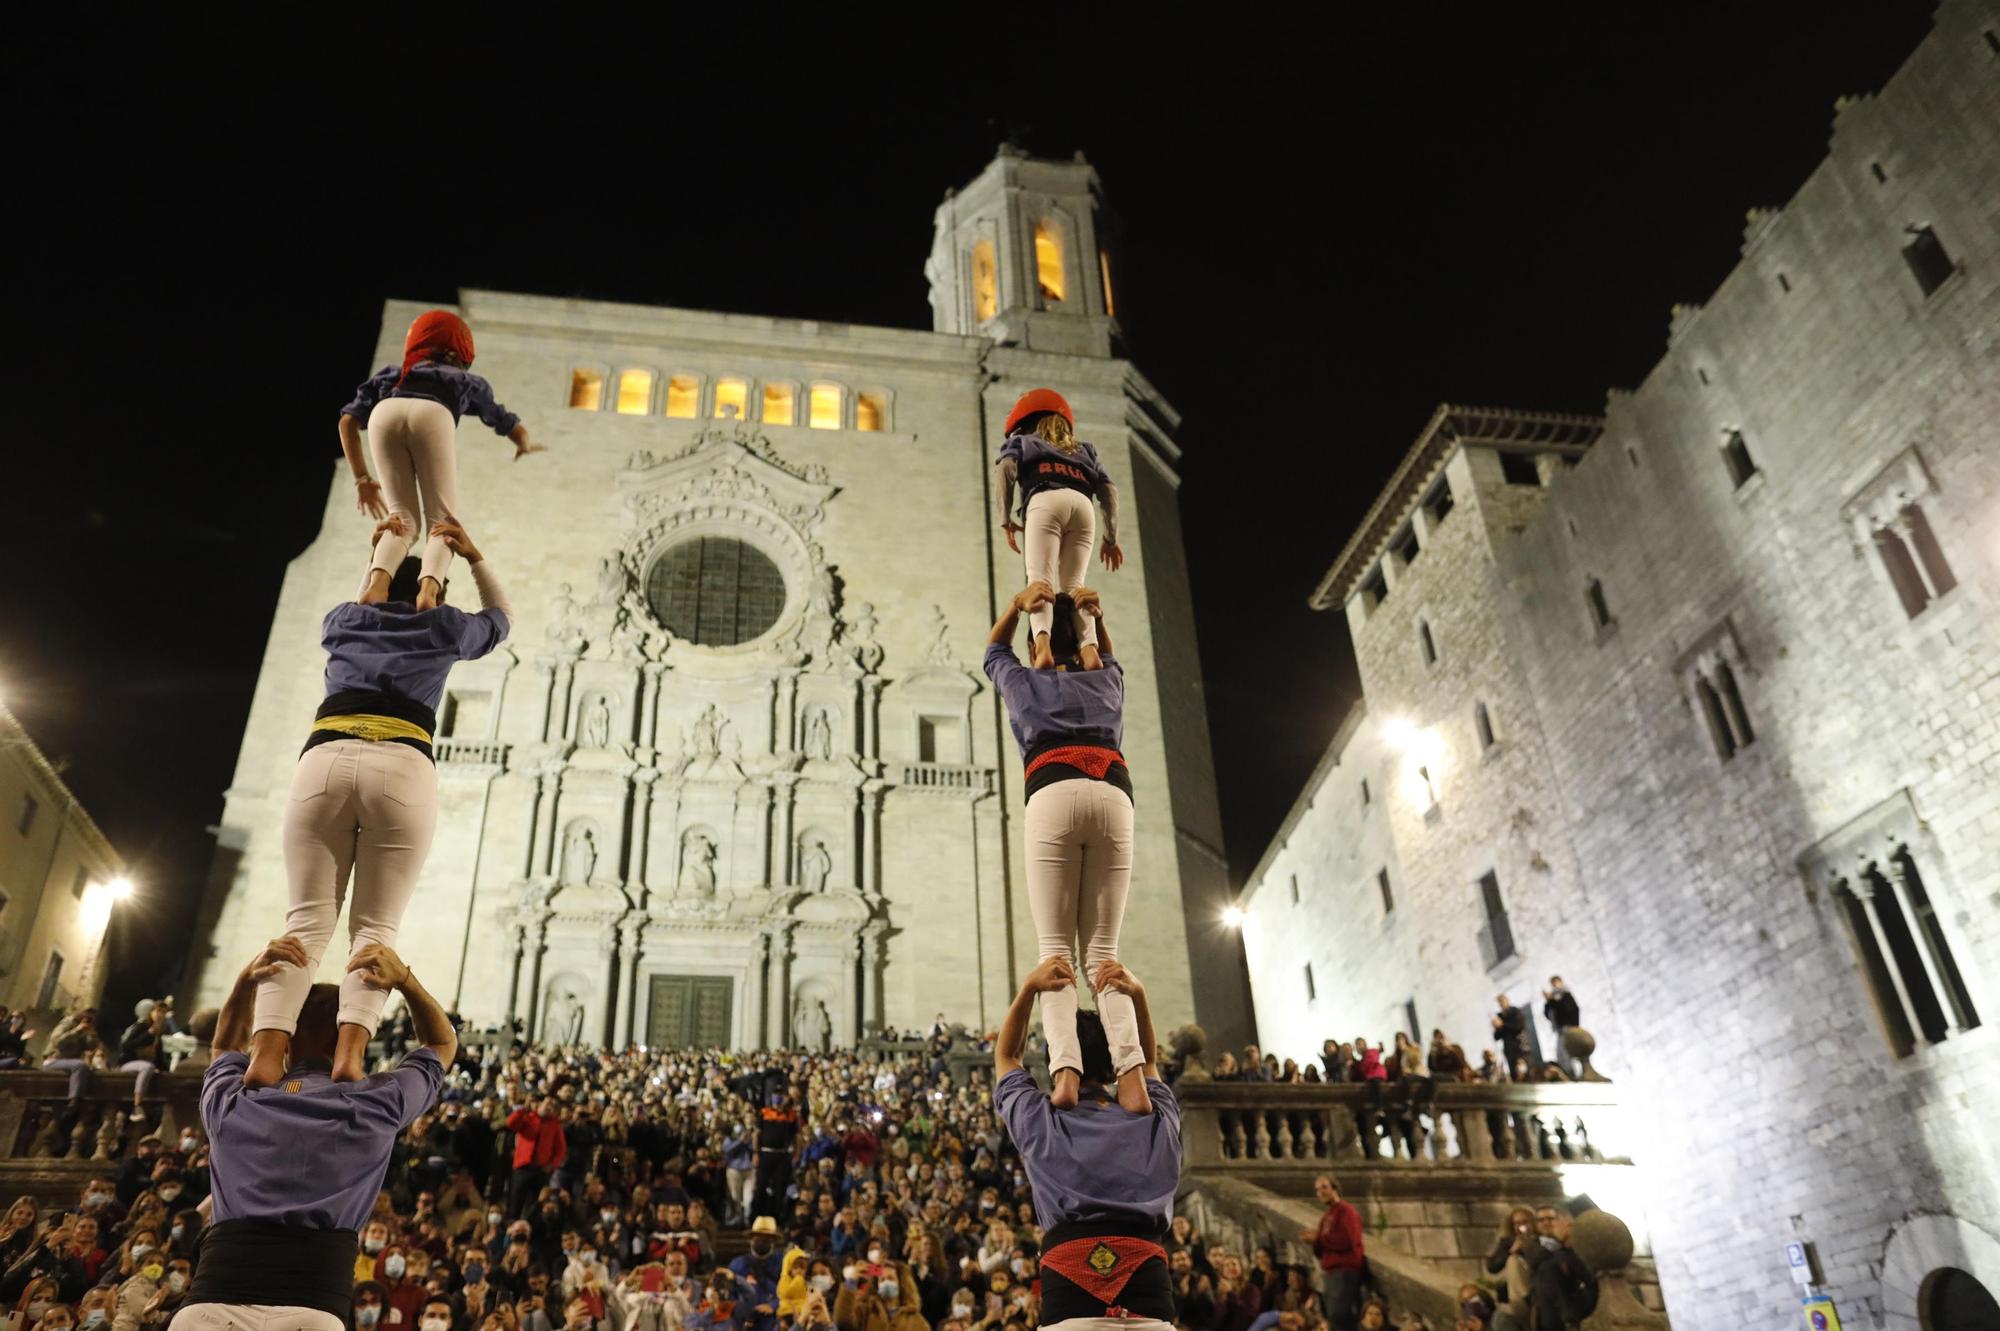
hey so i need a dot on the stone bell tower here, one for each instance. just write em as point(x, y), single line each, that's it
point(1024, 255)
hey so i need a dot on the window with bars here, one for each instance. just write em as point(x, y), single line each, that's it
point(715, 591)
point(1905, 956)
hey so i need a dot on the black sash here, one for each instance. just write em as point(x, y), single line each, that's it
point(262, 1261)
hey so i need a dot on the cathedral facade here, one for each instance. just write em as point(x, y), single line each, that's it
point(1693, 703)
point(736, 777)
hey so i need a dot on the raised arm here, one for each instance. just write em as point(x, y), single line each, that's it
point(233, 1024)
point(1054, 973)
point(491, 596)
point(1030, 596)
point(381, 968)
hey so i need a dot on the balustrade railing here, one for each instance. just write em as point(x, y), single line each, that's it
point(1418, 1123)
point(485, 753)
point(948, 777)
point(40, 1123)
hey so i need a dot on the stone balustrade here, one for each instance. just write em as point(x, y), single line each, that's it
point(469, 752)
point(50, 1145)
point(948, 777)
point(1235, 1125)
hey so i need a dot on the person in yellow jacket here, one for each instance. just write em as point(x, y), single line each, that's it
point(792, 1287)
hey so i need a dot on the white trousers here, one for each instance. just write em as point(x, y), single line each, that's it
point(1079, 868)
point(252, 1317)
point(1108, 1324)
point(1057, 533)
point(361, 809)
point(415, 447)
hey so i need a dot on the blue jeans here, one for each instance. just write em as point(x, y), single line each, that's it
point(79, 1073)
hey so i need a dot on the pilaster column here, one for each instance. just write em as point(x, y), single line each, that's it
point(636, 876)
point(545, 668)
point(760, 973)
point(784, 712)
point(782, 871)
point(871, 976)
point(868, 875)
point(630, 933)
point(871, 737)
point(649, 703)
point(517, 939)
point(536, 943)
point(784, 940)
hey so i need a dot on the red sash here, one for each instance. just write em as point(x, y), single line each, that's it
point(1090, 759)
point(1102, 1266)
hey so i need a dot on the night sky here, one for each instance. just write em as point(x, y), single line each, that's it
point(1332, 223)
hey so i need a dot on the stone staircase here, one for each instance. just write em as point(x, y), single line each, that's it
point(1433, 1181)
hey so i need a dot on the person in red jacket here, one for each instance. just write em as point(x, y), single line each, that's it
point(539, 1146)
point(1337, 1244)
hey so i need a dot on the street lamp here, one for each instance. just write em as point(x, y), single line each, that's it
point(1233, 916)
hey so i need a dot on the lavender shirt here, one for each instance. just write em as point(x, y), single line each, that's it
point(434, 379)
point(392, 647)
point(1094, 1164)
point(309, 1151)
point(1030, 451)
point(1087, 706)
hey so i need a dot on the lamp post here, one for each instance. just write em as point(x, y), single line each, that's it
point(99, 901)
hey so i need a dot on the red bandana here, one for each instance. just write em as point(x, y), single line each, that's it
point(1089, 759)
point(1102, 1266)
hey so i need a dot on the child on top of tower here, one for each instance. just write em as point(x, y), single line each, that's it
point(1058, 475)
point(411, 413)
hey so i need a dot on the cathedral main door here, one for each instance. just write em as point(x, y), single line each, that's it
point(689, 1012)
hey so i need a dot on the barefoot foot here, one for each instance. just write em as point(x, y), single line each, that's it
point(266, 1069)
point(1066, 1088)
point(1132, 1095)
point(350, 1053)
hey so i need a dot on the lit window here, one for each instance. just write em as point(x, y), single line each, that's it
point(824, 407)
point(683, 396)
point(732, 400)
point(777, 404)
point(985, 282)
point(635, 392)
point(1104, 270)
point(1048, 262)
point(586, 390)
point(869, 411)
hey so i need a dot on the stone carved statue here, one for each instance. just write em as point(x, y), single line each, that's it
point(705, 740)
point(819, 734)
point(697, 865)
point(563, 611)
point(597, 722)
point(861, 632)
point(819, 1028)
point(815, 865)
point(941, 652)
point(562, 1023)
point(610, 580)
point(579, 859)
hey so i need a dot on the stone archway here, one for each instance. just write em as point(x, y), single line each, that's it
point(1920, 1250)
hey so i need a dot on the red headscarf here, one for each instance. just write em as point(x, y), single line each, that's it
point(434, 333)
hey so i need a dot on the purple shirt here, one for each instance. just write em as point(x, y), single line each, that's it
point(1087, 706)
point(309, 1151)
point(1094, 1164)
point(433, 380)
point(1031, 453)
point(392, 647)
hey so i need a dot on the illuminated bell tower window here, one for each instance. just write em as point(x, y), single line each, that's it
point(778, 409)
point(825, 407)
point(870, 411)
point(683, 396)
point(1048, 262)
point(635, 392)
point(985, 282)
point(732, 393)
point(586, 390)
point(1104, 271)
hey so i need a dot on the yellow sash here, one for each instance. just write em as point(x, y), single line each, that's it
point(363, 726)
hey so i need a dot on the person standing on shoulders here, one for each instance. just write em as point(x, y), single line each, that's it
point(1338, 1245)
point(295, 1168)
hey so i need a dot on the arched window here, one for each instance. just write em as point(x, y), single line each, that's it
point(586, 389)
point(732, 393)
point(778, 409)
point(635, 392)
point(824, 407)
point(683, 396)
point(1048, 262)
point(985, 281)
point(871, 411)
point(1104, 271)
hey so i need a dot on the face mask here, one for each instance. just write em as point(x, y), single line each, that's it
point(95, 1317)
point(821, 1282)
point(177, 1282)
point(177, 1233)
point(587, 1256)
point(961, 1308)
point(1019, 1266)
point(38, 1310)
point(372, 1246)
point(517, 1239)
point(875, 1256)
point(475, 1272)
point(96, 1201)
point(987, 1203)
point(394, 1266)
point(437, 1324)
point(187, 1142)
point(761, 1246)
point(493, 1217)
point(888, 1288)
point(1551, 1242)
point(608, 1217)
point(170, 1192)
point(141, 1249)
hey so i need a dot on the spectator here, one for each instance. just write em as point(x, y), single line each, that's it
point(1237, 1300)
point(1510, 1030)
point(1447, 1060)
point(1565, 1291)
point(1253, 1064)
point(1375, 1316)
point(142, 1051)
point(1334, 1058)
point(539, 1147)
point(1560, 1010)
point(1342, 1256)
point(14, 1037)
point(72, 1044)
point(17, 1231)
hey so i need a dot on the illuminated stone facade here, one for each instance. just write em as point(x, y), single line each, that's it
point(794, 816)
point(1738, 642)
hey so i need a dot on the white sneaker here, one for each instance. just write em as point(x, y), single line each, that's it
point(137, 1115)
